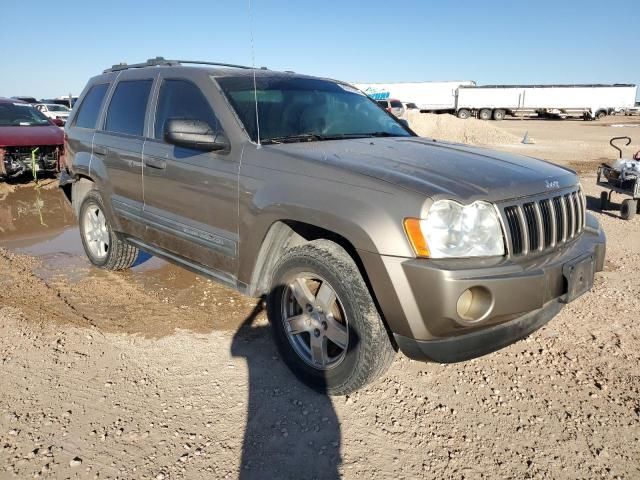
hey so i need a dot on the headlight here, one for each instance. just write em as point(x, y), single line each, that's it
point(454, 230)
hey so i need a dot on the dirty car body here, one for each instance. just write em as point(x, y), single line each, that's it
point(458, 250)
point(28, 140)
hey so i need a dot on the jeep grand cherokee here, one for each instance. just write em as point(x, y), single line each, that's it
point(364, 238)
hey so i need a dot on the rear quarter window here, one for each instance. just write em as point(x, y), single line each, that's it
point(89, 109)
point(128, 107)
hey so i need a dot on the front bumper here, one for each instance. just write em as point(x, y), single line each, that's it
point(419, 298)
point(481, 342)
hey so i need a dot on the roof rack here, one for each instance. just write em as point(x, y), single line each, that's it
point(162, 62)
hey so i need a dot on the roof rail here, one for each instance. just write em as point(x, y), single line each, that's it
point(162, 62)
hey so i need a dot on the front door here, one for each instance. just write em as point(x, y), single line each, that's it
point(190, 196)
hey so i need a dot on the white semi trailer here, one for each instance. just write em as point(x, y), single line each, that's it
point(437, 97)
point(586, 101)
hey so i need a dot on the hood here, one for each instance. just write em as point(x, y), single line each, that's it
point(30, 136)
point(440, 169)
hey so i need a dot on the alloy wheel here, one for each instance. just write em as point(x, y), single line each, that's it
point(315, 321)
point(96, 232)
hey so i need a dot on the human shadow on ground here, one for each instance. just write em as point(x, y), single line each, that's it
point(291, 431)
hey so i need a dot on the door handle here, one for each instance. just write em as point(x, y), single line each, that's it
point(155, 163)
point(99, 150)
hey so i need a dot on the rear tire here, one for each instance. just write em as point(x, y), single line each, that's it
point(604, 201)
point(628, 209)
point(600, 114)
point(499, 114)
point(104, 247)
point(484, 114)
point(310, 274)
point(463, 113)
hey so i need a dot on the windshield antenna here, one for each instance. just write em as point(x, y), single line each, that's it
point(253, 66)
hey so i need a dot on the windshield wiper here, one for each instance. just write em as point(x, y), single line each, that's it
point(375, 134)
point(314, 137)
point(302, 137)
point(339, 136)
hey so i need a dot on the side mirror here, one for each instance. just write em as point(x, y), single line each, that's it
point(194, 134)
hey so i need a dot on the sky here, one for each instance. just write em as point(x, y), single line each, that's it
point(50, 48)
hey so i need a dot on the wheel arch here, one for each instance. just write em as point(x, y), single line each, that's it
point(79, 190)
point(84, 182)
point(286, 233)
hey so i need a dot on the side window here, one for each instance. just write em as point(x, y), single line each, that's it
point(128, 107)
point(90, 107)
point(182, 99)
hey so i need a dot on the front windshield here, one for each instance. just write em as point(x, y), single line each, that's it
point(306, 109)
point(57, 108)
point(21, 114)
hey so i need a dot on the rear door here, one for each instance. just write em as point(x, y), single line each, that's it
point(119, 143)
point(190, 196)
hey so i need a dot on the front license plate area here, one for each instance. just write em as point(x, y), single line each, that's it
point(579, 275)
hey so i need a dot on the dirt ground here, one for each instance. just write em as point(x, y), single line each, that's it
point(158, 373)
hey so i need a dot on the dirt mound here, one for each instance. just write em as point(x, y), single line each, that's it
point(450, 128)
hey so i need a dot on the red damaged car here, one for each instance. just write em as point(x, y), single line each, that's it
point(28, 140)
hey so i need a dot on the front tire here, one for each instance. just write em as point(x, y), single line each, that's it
point(324, 321)
point(104, 247)
point(463, 113)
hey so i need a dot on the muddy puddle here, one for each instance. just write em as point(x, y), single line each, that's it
point(40, 223)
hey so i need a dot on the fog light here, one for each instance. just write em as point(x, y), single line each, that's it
point(474, 304)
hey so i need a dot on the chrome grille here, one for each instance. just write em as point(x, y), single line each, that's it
point(532, 225)
point(539, 224)
point(559, 215)
point(514, 227)
point(548, 228)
